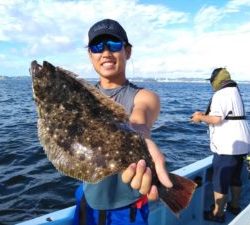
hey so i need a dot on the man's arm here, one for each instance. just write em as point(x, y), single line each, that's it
point(198, 117)
point(146, 109)
point(145, 112)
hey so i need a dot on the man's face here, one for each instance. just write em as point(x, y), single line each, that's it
point(110, 64)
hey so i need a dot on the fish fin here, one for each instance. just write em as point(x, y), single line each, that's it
point(179, 196)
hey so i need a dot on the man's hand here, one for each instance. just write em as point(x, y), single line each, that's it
point(140, 177)
point(196, 117)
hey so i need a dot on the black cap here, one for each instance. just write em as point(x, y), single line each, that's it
point(108, 27)
point(222, 72)
point(214, 74)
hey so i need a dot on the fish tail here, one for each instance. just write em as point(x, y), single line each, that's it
point(179, 196)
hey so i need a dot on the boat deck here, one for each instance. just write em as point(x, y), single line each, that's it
point(202, 199)
point(161, 215)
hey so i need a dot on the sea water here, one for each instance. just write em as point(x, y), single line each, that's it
point(29, 184)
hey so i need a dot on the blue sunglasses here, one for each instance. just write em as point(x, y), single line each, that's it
point(112, 46)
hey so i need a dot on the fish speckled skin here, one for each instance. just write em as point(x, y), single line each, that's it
point(86, 135)
point(83, 132)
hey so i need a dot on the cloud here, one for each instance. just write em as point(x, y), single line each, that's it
point(53, 28)
point(235, 5)
point(2, 57)
point(207, 17)
point(164, 40)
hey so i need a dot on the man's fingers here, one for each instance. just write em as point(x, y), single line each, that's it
point(129, 173)
point(137, 179)
point(146, 182)
point(163, 175)
point(159, 161)
point(153, 194)
point(140, 177)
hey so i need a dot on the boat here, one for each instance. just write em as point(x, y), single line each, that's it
point(200, 172)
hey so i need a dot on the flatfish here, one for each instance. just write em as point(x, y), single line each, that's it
point(86, 134)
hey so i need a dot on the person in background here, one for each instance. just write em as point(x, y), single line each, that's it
point(229, 142)
point(122, 198)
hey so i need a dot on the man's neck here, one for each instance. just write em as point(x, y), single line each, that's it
point(112, 83)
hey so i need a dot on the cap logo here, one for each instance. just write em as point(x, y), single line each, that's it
point(103, 27)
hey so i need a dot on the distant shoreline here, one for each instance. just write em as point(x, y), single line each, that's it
point(143, 79)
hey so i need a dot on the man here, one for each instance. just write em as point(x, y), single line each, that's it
point(229, 142)
point(124, 195)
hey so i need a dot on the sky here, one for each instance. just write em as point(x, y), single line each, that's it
point(170, 38)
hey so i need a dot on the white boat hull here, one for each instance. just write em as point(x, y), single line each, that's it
point(161, 215)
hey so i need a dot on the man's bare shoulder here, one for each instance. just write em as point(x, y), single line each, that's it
point(147, 95)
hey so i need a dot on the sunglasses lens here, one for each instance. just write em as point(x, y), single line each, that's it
point(98, 48)
point(113, 46)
